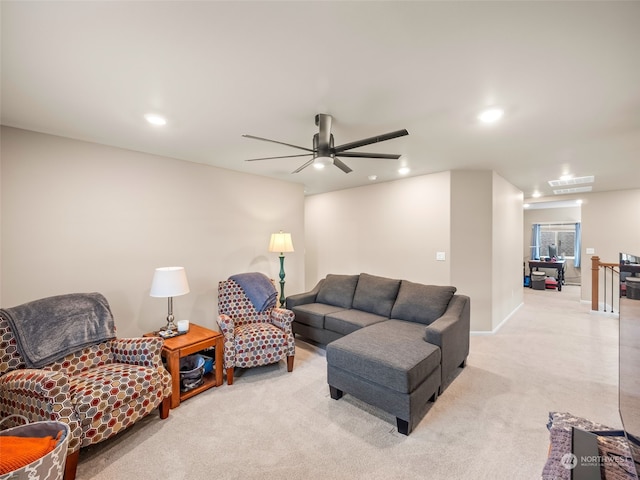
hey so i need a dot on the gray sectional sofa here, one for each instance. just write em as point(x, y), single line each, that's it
point(392, 343)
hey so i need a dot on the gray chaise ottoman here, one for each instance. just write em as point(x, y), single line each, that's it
point(387, 365)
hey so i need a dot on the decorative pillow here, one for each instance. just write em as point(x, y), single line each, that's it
point(337, 290)
point(421, 303)
point(375, 294)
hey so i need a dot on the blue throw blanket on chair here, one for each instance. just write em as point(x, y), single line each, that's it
point(258, 288)
point(49, 329)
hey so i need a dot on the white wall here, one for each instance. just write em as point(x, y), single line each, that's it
point(486, 263)
point(79, 217)
point(472, 242)
point(507, 281)
point(391, 229)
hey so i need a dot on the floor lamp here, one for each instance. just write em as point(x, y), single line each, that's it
point(281, 243)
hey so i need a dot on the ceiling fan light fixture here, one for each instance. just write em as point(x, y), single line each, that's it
point(491, 115)
point(154, 119)
point(320, 162)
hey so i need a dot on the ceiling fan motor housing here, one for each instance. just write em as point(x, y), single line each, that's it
point(321, 150)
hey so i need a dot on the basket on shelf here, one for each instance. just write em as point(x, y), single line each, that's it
point(191, 372)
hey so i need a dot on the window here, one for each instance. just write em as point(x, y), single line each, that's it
point(563, 236)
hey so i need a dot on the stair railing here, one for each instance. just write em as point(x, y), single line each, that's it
point(612, 270)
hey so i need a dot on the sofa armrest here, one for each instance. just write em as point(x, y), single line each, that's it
point(303, 298)
point(144, 351)
point(450, 332)
point(227, 325)
point(282, 318)
point(40, 395)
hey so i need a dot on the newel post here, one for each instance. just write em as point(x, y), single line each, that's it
point(595, 274)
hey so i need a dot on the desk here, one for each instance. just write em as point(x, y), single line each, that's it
point(558, 265)
point(196, 339)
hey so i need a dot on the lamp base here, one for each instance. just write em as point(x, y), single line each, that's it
point(171, 325)
point(282, 297)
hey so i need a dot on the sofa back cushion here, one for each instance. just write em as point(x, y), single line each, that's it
point(421, 303)
point(337, 290)
point(375, 294)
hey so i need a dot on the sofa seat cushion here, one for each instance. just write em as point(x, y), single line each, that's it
point(258, 343)
point(390, 353)
point(312, 314)
point(421, 303)
point(337, 290)
point(375, 294)
point(347, 321)
point(99, 392)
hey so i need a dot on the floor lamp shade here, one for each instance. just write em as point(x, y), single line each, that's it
point(281, 243)
point(169, 282)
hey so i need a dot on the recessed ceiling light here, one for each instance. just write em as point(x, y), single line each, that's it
point(491, 115)
point(404, 170)
point(566, 177)
point(578, 202)
point(372, 177)
point(536, 194)
point(526, 205)
point(154, 119)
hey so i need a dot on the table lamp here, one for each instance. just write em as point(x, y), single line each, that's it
point(281, 242)
point(169, 282)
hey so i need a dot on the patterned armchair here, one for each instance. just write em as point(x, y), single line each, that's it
point(251, 337)
point(98, 390)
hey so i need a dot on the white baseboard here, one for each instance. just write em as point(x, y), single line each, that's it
point(499, 326)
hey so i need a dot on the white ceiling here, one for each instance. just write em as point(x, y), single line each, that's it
point(567, 74)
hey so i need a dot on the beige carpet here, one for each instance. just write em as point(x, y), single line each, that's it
point(490, 423)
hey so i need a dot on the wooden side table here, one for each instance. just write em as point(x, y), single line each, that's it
point(196, 339)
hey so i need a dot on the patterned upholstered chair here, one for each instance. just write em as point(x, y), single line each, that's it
point(251, 337)
point(98, 390)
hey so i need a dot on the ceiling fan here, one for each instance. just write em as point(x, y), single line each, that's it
point(324, 152)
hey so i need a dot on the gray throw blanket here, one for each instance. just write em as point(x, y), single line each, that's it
point(258, 288)
point(48, 329)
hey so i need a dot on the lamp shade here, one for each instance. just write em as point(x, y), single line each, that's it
point(169, 282)
point(281, 242)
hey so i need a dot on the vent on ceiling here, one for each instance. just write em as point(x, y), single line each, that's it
point(571, 181)
point(562, 191)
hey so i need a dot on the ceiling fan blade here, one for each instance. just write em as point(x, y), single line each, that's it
point(341, 165)
point(275, 141)
point(281, 156)
point(305, 165)
point(389, 156)
point(370, 140)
